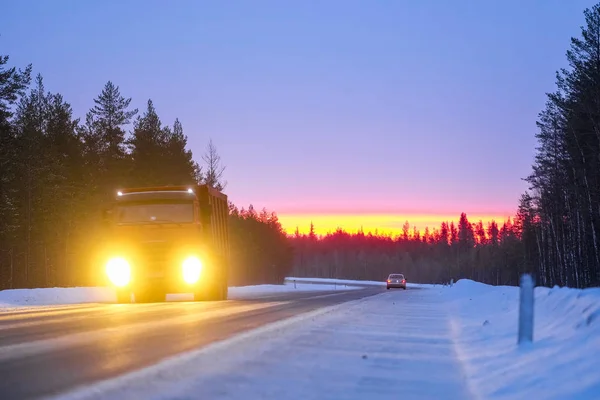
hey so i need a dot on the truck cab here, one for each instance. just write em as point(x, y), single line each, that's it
point(171, 239)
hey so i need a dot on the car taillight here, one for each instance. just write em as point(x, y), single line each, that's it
point(403, 280)
point(389, 281)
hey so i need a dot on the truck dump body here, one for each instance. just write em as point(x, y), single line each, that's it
point(168, 240)
point(217, 225)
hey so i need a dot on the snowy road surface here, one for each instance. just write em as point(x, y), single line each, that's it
point(396, 345)
point(393, 345)
point(49, 350)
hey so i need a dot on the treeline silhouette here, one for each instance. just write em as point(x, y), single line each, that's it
point(58, 172)
point(486, 253)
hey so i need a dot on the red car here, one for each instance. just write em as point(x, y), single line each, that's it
point(396, 281)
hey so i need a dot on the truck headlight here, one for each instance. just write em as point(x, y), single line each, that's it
point(118, 271)
point(192, 266)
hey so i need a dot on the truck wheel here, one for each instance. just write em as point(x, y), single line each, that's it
point(213, 293)
point(225, 291)
point(199, 296)
point(222, 291)
point(219, 292)
point(123, 296)
point(149, 297)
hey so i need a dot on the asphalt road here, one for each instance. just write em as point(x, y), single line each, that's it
point(48, 351)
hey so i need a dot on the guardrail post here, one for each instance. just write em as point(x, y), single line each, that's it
point(526, 309)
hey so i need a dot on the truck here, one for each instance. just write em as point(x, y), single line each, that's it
point(169, 239)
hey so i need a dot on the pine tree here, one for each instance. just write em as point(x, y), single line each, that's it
point(104, 141)
point(466, 237)
point(13, 84)
point(30, 123)
point(64, 190)
point(149, 156)
point(311, 233)
point(493, 233)
point(453, 233)
point(479, 230)
point(109, 116)
point(182, 167)
point(444, 233)
point(405, 231)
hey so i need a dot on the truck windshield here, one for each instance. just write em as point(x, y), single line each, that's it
point(148, 213)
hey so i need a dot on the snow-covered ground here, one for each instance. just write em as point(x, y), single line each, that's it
point(81, 295)
point(563, 361)
point(431, 342)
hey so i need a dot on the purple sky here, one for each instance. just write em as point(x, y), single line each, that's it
point(362, 106)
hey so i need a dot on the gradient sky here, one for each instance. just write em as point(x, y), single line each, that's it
point(406, 108)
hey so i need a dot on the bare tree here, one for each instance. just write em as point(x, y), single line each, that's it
point(214, 168)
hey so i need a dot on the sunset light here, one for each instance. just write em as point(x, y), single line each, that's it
point(382, 223)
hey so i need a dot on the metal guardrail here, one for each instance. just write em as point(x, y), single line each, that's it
point(333, 282)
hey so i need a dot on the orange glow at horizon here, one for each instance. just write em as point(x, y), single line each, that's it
point(383, 223)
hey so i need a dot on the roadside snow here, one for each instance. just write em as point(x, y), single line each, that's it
point(561, 363)
point(56, 296)
point(80, 295)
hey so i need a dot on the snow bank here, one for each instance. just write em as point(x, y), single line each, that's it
point(562, 362)
point(53, 296)
point(80, 295)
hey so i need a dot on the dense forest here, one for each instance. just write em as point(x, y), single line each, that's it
point(58, 170)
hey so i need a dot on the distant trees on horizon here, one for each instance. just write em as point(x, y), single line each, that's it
point(489, 253)
point(408, 230)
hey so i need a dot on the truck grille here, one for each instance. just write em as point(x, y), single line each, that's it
point(155, 257)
